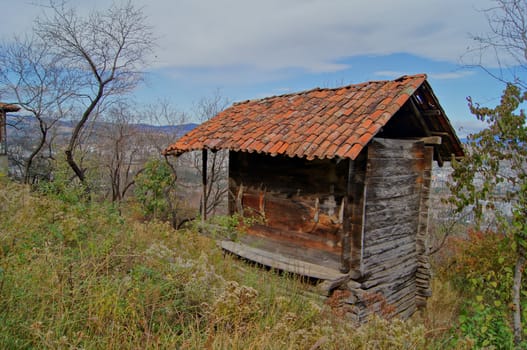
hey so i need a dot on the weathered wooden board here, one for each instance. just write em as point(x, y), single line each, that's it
point(400, 297)
point(293, 249)
point(395, 216)
point(422, 246)
point(411, 203)
point(394, 148)
point(296, 213)
point(394, 181)
point(396, 167)
point(390, 279)
point(403, 244)
point(357, 203)
point(281, 262)
point(386, 233)
point(385, 191)
point(325, 243)
point(394, 258)
point(296, 200)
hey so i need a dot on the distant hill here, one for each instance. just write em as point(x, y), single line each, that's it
point(179, 130)
point(20, 126)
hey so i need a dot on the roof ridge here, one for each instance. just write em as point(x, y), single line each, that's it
point(314, 123)
point(297, 93)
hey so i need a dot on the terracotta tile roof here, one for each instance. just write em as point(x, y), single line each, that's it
point(8, 107)
point(323, 123)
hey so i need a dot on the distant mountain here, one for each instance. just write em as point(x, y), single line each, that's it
point(179, 130)
point(21, 125)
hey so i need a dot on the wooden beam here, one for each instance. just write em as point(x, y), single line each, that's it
point(432, 113)
point(419, 117)
point(422, 246)
point(346, 222)
point(441, 133)
point(204, 161)
point(284, 263)
point(438, 157)
point(431, 140)
point(357, 204)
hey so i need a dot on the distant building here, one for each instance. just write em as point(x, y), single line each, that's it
point(4, 108)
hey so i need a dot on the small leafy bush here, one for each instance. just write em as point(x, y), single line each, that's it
point(155, 190)
point(482, 271)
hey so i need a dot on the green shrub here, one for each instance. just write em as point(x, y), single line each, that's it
point(155, 190)
point(481, 270)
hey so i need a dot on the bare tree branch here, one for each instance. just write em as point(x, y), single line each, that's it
point(107, 48)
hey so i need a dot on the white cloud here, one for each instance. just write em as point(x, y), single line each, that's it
point(310, 35)
point(389, 74)
point(451, 75)
point(458, 74)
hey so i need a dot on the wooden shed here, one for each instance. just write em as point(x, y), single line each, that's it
point(340, 180)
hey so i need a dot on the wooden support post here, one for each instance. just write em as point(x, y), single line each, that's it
point(345, 261)
point(357, 207)
point(204, 184)
point(423, 279)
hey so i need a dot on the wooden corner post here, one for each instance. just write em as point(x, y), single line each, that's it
point(353, 220)
point(204, 161)
point(345, 260)
point(423, 273)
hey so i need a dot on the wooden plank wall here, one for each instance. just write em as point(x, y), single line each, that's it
point(296, 200)
point(394, 178)
point(300, 203)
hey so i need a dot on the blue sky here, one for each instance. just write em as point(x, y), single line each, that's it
point(252, 49)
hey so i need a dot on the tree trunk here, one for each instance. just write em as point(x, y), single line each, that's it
point(74, 138)
point(204, 185)
point(27, 168)
point(73, 165)
point(516, 295)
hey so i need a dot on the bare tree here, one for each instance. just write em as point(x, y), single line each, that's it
point(124, 148)
point(167, 124)
point(169, 121)
point(506, 41)
point(34, 79)
point(106, 49)
point(217, 162)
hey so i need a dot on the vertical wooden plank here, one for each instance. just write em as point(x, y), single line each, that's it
point(357, 203)
point(345, 260)
point(204, 161)
point(422, 241)
point(231, 183)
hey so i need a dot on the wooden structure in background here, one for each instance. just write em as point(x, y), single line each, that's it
point(4, 109)
point(339, 181)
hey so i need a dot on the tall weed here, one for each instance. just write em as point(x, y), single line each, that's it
point(76, 274)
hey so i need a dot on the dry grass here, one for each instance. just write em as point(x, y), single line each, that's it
point(80, 276)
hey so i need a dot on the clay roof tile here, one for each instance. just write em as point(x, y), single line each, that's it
point(323, 123)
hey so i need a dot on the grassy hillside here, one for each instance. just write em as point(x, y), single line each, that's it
point(81, 276)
